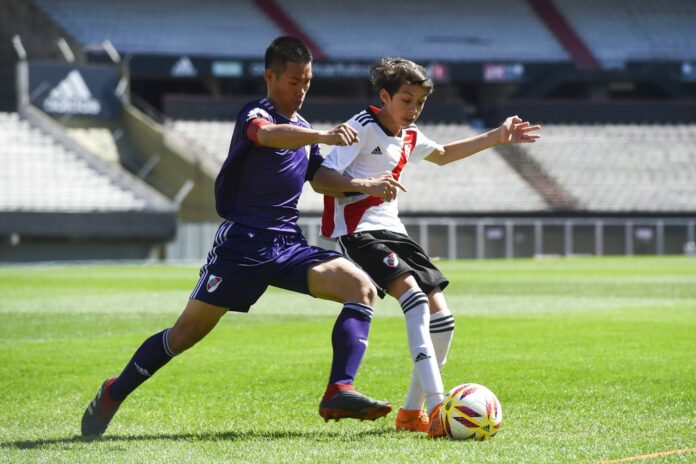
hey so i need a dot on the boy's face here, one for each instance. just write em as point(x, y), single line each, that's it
point(406, 104)
point(287, 89)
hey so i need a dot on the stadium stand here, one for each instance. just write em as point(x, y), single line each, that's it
point(42, 175)
point(213, 137)
point(59, 201)
point(241, 28)
point(626, 30)
point(622, 168)
point(178, 27)
point(615, 32)
point(442, 30)
point(611, 168)
point(482, 183)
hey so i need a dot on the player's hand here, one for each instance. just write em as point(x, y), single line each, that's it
point(384, 187)
point(341, 135)
point(516, 130)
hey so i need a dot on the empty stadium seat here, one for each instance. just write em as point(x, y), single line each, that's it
point(622, 168)
point(451, 30)
point(214, 27)
point(466, 30)
point(623, 30)
point(39, 174)
point(606, 168)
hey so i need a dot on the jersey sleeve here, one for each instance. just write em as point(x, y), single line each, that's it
point(252, 119)
point(424, 147)
point(340, 157)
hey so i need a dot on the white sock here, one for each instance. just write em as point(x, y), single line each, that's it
point(441, 331)
point(417, 313)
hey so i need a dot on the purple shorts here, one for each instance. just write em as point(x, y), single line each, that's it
point(244, 261)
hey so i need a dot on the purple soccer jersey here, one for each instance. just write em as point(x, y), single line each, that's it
point(260, 186)
point(259, 243)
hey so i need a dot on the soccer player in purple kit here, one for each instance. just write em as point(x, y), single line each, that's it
point(272, 153)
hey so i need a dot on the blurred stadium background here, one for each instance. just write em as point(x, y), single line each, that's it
point(116, 116)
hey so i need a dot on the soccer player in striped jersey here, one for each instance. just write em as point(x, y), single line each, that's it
point(370, 233)
point(272, 153)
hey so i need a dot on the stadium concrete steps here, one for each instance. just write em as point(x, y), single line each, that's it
point(565, 34)
point(534, 174)
point(162, 159)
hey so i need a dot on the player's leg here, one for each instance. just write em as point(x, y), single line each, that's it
point(197, 319)
point(194, 323)
point(441, 332)
point(441, 326)
point(340, 280)
point(389, 256)
point(414, 304)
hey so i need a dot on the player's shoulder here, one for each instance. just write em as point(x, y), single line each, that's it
point(363, 118)
point(259, 108)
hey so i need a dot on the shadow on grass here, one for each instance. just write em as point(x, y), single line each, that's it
point(209, 436)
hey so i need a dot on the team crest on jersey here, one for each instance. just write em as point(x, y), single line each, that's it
point(258, 113)
point(213, 283)
point(391, 260)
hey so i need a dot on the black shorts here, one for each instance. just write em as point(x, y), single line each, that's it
point(385, 255)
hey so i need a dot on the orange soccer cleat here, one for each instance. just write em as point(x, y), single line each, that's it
point(412, 420)
point(435, 428)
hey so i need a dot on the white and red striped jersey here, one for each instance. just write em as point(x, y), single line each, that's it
point(378, 152)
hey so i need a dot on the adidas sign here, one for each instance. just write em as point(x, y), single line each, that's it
point(72, 96)
point(421, 357)
point(183, 68)
point(376, 151)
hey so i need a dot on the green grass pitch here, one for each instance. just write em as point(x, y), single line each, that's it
point(592, 359)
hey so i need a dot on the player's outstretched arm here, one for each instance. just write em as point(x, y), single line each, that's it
point(513, 130)
point(287, 136)
point(330, 182)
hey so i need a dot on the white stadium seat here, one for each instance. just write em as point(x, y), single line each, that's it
point(40, 175)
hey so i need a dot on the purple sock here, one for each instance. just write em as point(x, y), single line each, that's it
point(152, 354)
point(349, 340)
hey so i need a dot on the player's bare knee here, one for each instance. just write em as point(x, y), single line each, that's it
point(366, 291)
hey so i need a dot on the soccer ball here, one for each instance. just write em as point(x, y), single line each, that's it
point(471, 411)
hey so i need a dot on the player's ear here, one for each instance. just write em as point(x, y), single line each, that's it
point(384, 96)
point(268, 76)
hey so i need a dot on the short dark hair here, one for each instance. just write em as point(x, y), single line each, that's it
point(286, 49)
point(391, 73)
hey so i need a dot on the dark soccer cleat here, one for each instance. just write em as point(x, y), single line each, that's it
point(348, 403)
point(99, 412)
